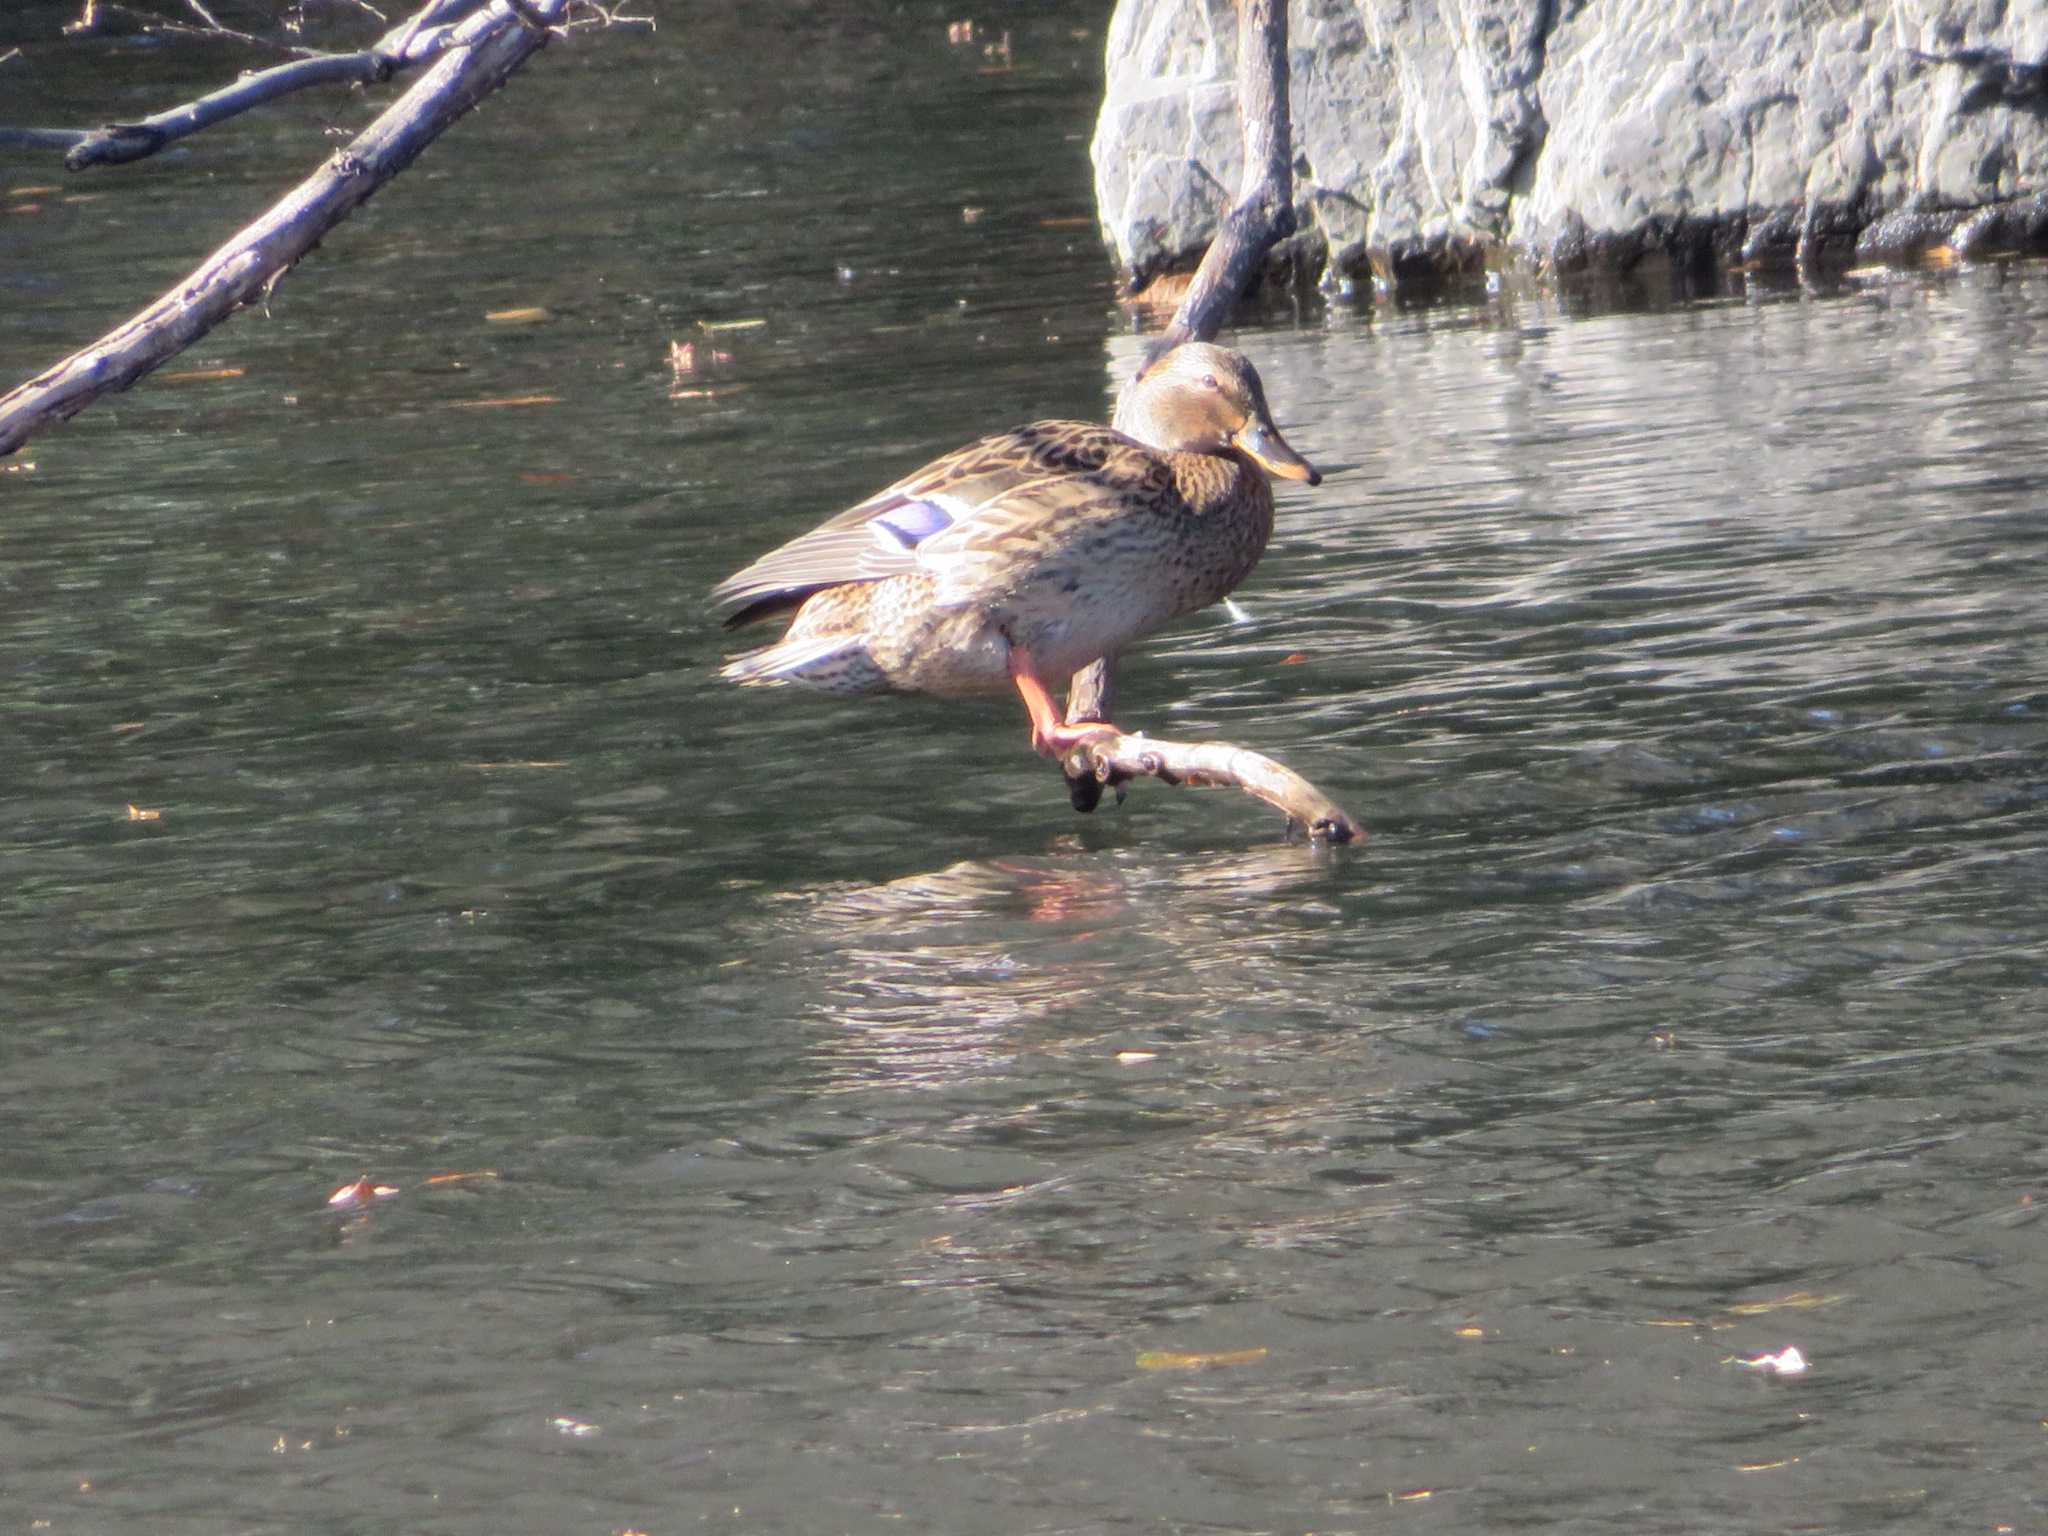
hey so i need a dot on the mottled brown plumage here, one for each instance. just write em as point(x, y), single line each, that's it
point(1027, 555)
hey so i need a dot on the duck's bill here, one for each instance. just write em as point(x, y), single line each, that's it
point(1269, 450)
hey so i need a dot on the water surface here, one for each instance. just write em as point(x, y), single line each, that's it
point(879, 1145)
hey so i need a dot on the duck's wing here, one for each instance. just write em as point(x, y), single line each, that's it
point(954, 515)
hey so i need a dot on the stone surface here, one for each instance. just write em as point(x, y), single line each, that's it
point(1432, 134)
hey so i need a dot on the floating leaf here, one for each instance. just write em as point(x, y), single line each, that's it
point(362, 1192)
point(502, 401)
point(1177, 1360)
point(1797, 1301)
point(461, 1178)
point(532, 314)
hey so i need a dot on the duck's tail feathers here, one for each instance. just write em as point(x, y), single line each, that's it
point(833, 663)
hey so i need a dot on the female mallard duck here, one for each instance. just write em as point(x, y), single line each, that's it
point(1026, 556)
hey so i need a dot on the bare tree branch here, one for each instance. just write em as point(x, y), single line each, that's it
point(414, 41)
point(479, 56)
point(102, 16)
point(1263, 214)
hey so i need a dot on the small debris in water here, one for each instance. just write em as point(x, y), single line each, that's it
point(1178, 1360)
point(1791, 1301)
point(362, 1192)
point(1786, 1362)
point(501, 402)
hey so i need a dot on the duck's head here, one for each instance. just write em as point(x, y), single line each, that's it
point(1202, 398)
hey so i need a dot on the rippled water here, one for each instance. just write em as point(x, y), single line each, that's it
point(878, 1145)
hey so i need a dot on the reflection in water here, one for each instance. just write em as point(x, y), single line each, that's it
point(940, 978)
point(850, 1095)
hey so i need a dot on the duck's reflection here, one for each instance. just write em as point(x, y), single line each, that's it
point(944, 976)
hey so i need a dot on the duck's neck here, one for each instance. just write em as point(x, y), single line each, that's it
point(1235, 500)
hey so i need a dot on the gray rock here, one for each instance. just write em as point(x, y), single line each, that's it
point(1434, 135)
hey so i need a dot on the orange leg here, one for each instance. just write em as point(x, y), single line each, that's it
point(1051, 736)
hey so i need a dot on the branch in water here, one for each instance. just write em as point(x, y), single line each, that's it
point(1261, 218)
point(1111, 758)
point(1263, 214)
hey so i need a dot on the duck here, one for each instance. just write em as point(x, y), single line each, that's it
point(1022, 558)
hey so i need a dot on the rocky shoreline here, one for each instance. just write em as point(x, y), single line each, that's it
point(1435, 140)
